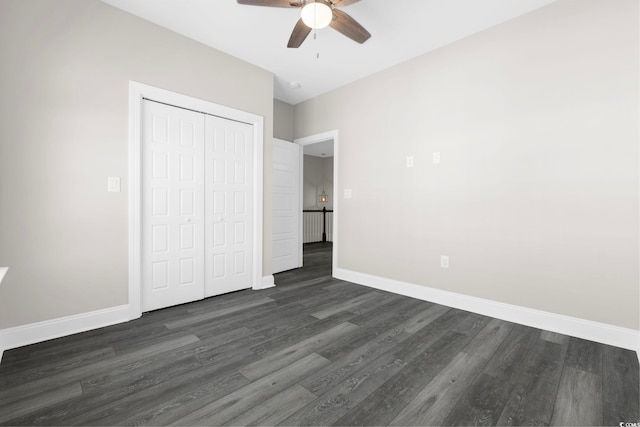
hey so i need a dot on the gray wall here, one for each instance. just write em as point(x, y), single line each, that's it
point(282, 120)
point(536, 198)
point(64, 76)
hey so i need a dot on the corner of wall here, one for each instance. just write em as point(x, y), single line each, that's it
point(566, 325)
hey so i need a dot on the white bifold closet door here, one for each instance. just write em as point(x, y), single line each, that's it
point(196, 205)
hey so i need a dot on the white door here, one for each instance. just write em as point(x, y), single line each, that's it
point(197, 206)
point(172, 206)
point(228, 206)
point(287, 244)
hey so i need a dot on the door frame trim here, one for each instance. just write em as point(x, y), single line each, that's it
point(138, 91)
point(312, 139)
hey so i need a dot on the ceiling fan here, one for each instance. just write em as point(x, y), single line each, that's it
point(317, 14)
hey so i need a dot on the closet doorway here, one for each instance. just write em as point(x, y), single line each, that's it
point(197, 214)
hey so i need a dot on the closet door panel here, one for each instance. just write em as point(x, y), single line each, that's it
point(228, 197)
point(172, 206)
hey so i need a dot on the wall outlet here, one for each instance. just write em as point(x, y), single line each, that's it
point(436, 157)
point(347, 193)
point(409, 161)
point(444, 261)
point(113, 184)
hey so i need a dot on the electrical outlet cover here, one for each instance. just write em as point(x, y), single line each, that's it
point(444, 261)
point(113, 184)
point(409, 161)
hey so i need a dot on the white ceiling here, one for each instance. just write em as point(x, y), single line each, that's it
point(401, 29)
point(319, 149)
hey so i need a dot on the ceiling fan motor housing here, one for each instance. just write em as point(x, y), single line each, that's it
point(331, 15)
point(317, 14)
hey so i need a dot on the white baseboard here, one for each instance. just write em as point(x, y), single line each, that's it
point(586, 329)
point(50, 329)
point(267, 282)
point(580, 328)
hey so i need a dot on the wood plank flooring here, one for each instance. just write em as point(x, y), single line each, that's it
point(318, 351)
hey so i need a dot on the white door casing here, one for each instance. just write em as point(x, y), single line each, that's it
point(172, 205)
point(286, 239)
point(228, 206)
point(138, 92)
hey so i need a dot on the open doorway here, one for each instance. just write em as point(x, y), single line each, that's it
point(318, 199)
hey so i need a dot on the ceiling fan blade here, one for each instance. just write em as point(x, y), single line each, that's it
point(349, 27)
point(299, 34)
point(271, 3)
point(342, 3)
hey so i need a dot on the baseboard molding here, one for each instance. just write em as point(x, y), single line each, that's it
point(580, 328)
point(50, 329)
point(267, 282)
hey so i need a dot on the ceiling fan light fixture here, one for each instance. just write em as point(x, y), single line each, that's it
point(316, 14)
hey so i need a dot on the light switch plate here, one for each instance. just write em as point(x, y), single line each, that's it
point(436, 157)
point(113, 184)
point(347, 193)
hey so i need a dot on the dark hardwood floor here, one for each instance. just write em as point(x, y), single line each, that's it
point(318, 351)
